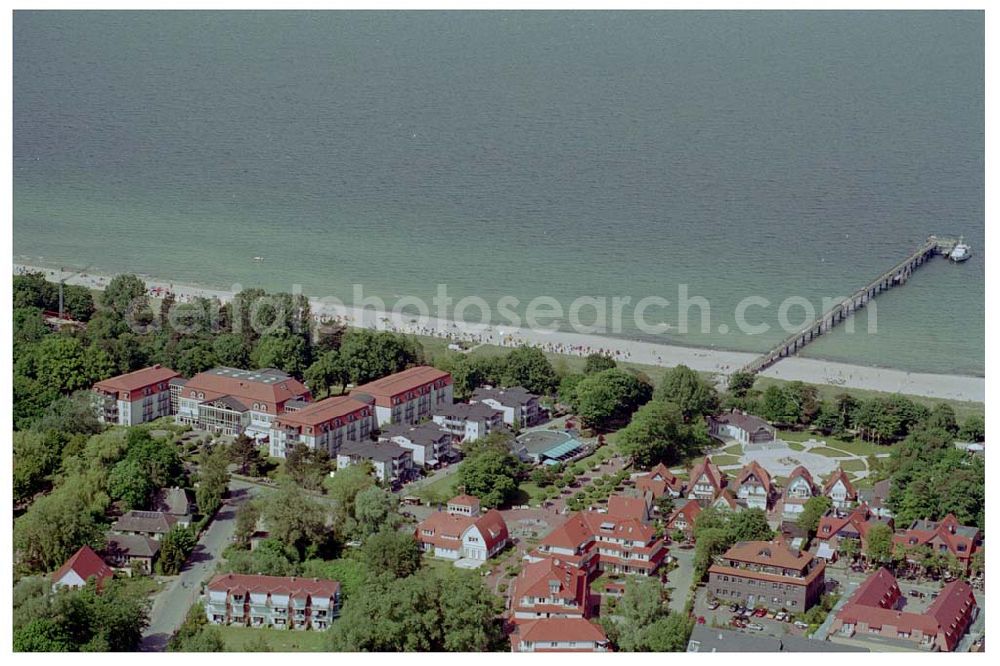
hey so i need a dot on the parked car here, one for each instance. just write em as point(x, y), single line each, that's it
point(713, 605)
point(782, 616)
point(760, 612)
point(734, 608)
point(753, 626)
point(738, 623)
point(701, 619)
point(801, 625)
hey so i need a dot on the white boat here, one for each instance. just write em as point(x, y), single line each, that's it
point(258, 258)
point(961, 252)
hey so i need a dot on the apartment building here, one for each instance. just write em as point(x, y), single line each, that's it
point(429, 443)
point(558, 635)
point(876, 609)
point(595, 541)
point(767, 573)
point(135, 397)
point(279, 602)
point(519, 407)
point(836, 526)
point(551, 588)
point(391, 463)
point(944, 536)
point(468, 422)
point(325, 425)
point(409, 396)
point(230, 401)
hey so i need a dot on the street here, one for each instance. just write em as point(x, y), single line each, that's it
point(170, 605)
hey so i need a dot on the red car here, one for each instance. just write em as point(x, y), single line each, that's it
point(760, 612)
point(701, 619)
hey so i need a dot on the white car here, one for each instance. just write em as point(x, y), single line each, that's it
point(801, 625)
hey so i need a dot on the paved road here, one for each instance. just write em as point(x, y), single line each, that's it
point(171, 604)
point(681, 578)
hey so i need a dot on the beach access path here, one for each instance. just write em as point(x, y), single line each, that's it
point(722, 362)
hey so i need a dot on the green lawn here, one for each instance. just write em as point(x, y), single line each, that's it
point(795, 446)
point(856, 446)
point(279, 640)
point(725, 459)
point(445, 487)
point(828, 452)
point(854, 465)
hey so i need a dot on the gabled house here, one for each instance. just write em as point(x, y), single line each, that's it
point(134, 398)
point(746, 429)
point(875, 608)
point(799, 489)
point(705, 481)
point(461, 532)
point(946, 535)
point(84, 565)
point(659, 482)
point(558, 635)
point(409, 396)
point(840, 490)
point(684, 517)
point(754, 488)
point(596, 541)
point(877, 498)
point(175, 502)
point(836, 525)
point(124, 551)
point(625, 507)
point(152, 524)
point(725, 501)
point(551, 588)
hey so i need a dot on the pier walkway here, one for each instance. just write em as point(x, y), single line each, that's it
point(837, 313)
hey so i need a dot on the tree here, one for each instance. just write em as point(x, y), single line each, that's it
point(879, 547)
point(247, 456)
point(343, 488)
point(369, 355)
point(685, 388)
point(749, 525)
point(740, 383)
point(567, 388)
point(175, 547)
point(71, 414)
point(491, 475)
point(778, 405)
point(247, 517)
point(213, 480)
point(231, 350)
point(814, 509)
point(973, 429)
point(528, 367)
point(296, 521)
point(375, 509)
point(325, 373)
point(124, 294)
point(849, 548)
point(943, 417)
point(36, 456)
point(55, 527)
point(609, 397)
point(350, 573)
point(598, 363)
point(643, 622)
point(195, 634)
point(657, 433)
point(130, 484)
point(307, 467)
point(393, 552)
point(284, 351)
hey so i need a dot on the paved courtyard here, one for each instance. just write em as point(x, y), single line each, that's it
point(781, 460)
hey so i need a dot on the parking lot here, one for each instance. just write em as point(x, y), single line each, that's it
point(743, 619)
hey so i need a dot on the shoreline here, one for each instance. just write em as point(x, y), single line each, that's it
point(814, 371)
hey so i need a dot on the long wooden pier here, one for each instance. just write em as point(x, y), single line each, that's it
point(893, 277)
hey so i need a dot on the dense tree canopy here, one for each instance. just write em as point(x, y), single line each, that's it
point(685, 388)
point(658, 433)
point(609, 397)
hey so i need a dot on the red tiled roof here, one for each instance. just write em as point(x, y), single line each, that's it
point(447, 529)
point(861, 519)
point(551, 630)
point(803, 472)
point(620, 506)
point(768, 553)
point(292, 586)
point(727, 496)
point(244, 389)
point(690, 512)
point(493, 528)
point(85, 563)
point(841, 475)
point(945, 531)
point(383, 390)
point(755, 471)
point(139, 379)
point(464, 500)
point(535, 581)
point(716, 476)
point(583, 526)
point(952, 610)
point(323, 411)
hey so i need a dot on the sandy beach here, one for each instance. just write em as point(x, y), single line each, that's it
point(814, 371)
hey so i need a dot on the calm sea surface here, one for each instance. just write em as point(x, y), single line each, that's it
point(520, 154)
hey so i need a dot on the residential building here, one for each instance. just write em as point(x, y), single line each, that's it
point(83, 566)
point(409, 396)
point(767, 573)
point(596, 541)
point(683, 518)
point(175, 502)
point(876, 606)
point(391, 463)
point(551, 588)
point(519, 406)
point(725, 501)
point(629, 508)
point(799, 489)
point(836, 526)
point(468, 422)
point(230, 401)
point(153, 524)
point(558, 635)
point(713, 639)
point(877, 498)
point(754, 488)
point(840, 490)
point(429, 443)
point(461, 532)
point(325, 425)
point(135, 397)
point(944, 536)
point(659, 482)
point(279, 602)
point(705, 481)
point(746, 429)
point(125, 551)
